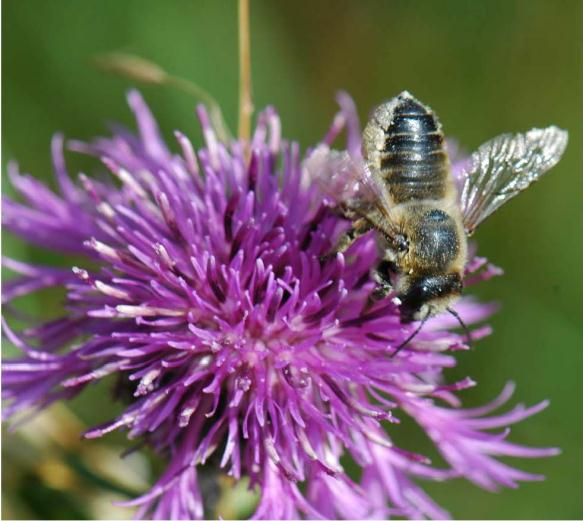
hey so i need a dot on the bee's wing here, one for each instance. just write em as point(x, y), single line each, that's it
point(504, 167)
point(342, 177)
point(333, 172)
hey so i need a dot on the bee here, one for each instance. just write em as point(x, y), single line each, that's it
point(403, 187)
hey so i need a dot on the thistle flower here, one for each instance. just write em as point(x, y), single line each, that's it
point(205, 293)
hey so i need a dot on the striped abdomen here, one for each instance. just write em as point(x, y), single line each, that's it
point(404, 144)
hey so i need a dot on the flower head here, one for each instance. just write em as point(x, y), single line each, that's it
point(238, 346)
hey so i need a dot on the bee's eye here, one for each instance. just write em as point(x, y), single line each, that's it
point(402, 243)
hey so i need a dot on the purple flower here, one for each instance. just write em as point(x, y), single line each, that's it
point(236, 345)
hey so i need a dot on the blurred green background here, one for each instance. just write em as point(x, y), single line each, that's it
point(485, 67)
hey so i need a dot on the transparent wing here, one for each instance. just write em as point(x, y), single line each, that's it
point(333, 173)
point(504, 167)
point(343, 178)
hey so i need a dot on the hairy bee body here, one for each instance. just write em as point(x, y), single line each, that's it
point(404, 145)
point(403, 188)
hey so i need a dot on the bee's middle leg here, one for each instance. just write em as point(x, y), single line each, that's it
point(359, 228)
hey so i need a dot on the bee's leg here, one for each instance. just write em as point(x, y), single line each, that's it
point(353, 210)
point(359, 228)
point(382, 276)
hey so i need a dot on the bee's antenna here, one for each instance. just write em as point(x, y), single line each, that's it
point(462, 323)
point(411, 337)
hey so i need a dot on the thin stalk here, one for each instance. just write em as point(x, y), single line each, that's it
point(215, 114)
point(245, 100)
point(142, 70)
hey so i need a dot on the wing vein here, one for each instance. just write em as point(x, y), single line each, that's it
point(505, 166)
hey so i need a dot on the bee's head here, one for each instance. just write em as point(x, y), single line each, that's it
point(428, 295)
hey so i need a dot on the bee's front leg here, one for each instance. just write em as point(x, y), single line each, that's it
point(382, 276)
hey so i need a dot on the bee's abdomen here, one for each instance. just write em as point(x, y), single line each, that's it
point(409, 150)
